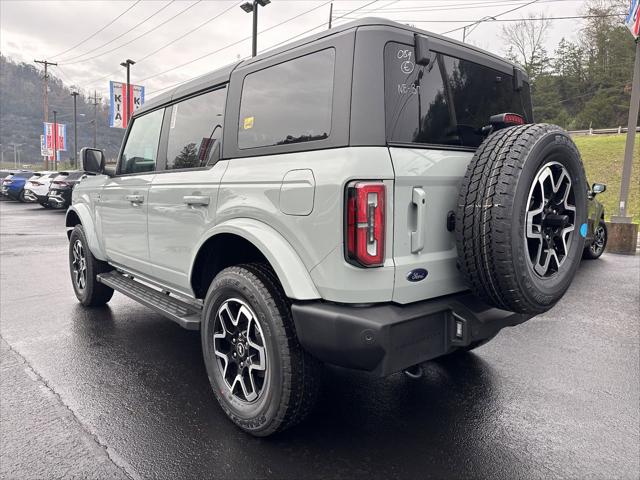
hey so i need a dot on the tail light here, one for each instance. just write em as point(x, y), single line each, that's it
point(37, 184)
point(506, 120)
point(61, 184)
point(365, 223)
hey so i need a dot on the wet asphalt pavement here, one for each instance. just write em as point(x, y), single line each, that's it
point(120, 392)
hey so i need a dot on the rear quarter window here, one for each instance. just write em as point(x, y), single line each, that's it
point(288, 103)
point(446, 102)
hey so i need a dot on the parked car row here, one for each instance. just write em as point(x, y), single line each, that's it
point(49, 189)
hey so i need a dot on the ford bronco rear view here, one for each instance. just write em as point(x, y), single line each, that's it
point(372, 197)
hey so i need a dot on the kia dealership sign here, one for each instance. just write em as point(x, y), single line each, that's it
point(119, 106)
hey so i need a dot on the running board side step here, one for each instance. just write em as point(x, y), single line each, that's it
point(184, 314)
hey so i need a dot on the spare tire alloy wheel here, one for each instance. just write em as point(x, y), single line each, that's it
point(521, 206)
point(551, 219)
point(238, 342)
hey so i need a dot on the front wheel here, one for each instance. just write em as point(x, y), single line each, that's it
point(84, 269)
point(263, 379)
point(599, 243)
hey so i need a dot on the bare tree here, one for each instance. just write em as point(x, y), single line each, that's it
point(525, 41)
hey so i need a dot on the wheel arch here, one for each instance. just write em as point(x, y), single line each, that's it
point(244, 241)
point(80, 215)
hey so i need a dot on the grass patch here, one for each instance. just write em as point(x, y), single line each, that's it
point(603, 156)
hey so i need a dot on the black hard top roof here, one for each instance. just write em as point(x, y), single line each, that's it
point(222, 75)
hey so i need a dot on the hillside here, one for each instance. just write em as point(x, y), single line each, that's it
point(603, 156)
point(21, 114)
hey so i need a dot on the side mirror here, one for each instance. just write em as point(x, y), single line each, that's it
point(597, 188)
point(92, 160)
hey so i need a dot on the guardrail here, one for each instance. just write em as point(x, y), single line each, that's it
point(601, 131)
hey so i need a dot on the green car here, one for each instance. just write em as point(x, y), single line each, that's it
point(596, 236)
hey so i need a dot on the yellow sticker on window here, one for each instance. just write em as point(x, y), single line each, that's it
point(248, 123)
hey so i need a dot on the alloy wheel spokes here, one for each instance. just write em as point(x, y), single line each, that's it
point(238, 344)
point(550, 219)
point(79, 265)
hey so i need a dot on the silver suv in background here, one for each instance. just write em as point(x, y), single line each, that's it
point(373, 196)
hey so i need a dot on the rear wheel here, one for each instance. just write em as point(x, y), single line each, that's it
point(84, 268)
point(521, 205)
point(263, 379)
point(599, 243)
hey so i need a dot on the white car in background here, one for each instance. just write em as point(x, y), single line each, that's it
point(37, 187)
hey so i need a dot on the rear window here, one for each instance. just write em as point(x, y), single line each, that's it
point(288, 103)
point(75, 175)
point(446, 102)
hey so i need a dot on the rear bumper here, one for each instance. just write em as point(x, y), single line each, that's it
point(388, 338)
point(31, 196)
point(59, 200)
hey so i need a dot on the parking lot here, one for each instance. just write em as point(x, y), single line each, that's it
point(120, 392)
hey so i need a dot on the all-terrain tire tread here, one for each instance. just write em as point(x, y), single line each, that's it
point(483, 218)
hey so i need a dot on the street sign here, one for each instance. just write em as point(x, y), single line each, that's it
point(49, 136)
point(118, 104)
point(633, 19)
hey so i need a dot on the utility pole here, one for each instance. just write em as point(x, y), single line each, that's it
point(250, 7)
point(95, 118)
point(330, 15)
point(127, 64)
point(631, 137)
point(46, 97)
point(75, 130)
point(15, 154)
point(55, 140)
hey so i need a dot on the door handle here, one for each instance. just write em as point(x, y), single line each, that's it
point(196, 200)
point(419, 199)
point(134, 198)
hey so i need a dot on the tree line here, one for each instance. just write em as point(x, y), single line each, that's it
point(586, 82)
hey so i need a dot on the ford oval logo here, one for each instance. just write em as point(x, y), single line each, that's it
point(417, 275)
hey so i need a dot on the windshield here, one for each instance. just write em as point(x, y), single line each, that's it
point(446, 102)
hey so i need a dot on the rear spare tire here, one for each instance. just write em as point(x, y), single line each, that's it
point(521, 207)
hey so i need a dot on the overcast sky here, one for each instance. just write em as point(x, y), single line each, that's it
point(46, 29)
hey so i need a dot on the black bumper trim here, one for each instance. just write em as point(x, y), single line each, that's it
point(387, 338)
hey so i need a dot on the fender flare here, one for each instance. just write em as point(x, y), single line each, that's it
point(82, 211)
point(286, 263)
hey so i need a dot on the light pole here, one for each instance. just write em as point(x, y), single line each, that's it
point(253, 7)
point(75, 130)
point(55, 140)
point(127, 64)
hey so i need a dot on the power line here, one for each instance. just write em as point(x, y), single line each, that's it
point(455, 6)
point(513, 19)
point(69, 60)
point(96, 32)
point(139, 36)
point(269, 48)
point(172, 41)
point(494, 16)
point(234, 43)
point(592, 92)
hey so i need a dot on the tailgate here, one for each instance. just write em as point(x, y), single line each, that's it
point(420, 237)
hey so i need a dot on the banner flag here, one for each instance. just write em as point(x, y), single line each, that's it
point(118, 105)
point(633, 19)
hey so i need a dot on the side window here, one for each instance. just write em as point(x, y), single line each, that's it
point(195, 131)
point(140, 151)
point(288, 103)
